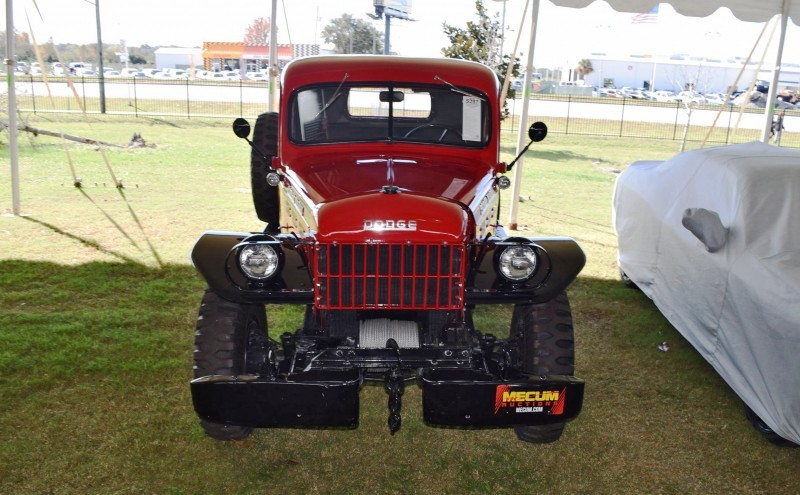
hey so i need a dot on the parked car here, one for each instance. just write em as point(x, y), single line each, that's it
point(112, 74)
point(717, 99)
point(759, 99)
point(712, 236)
point(217, 76)
point(150, 72)
point(665, 96)
point(608, 93)
point(382, 225)
point(256, 76)
point(637, 94)
point(690, 97)
point(130, 72)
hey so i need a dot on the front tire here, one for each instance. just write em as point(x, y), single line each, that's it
point(223, 335)
point(547, 348)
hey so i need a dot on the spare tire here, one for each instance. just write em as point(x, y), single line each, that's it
point(265, 197)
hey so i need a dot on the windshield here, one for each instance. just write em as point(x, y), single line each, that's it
point(436, 114)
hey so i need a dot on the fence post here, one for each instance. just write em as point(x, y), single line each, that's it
point(241, 99)
point(622, 117)
point(728, 130)
point(569, 104)
point(33, 95)
point(188, 109)
point(675, 127)
point(83, 90)
point(135, 100)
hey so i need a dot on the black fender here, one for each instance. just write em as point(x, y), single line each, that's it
point(215, 256)
point(559, 261)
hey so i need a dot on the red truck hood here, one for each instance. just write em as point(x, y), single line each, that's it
point(328, 177)
point(397, 217)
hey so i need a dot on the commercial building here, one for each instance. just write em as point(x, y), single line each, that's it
point(682, 72)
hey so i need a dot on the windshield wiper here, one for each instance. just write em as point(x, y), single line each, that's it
point(334, 97)
point(459, 91)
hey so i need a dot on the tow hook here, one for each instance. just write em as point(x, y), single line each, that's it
point(395, 386)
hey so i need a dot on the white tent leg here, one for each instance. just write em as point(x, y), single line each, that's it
point(769, 111)
point(12, 107)
point(522, 140)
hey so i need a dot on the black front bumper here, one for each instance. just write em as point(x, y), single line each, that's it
point(329, 398)
point(310, 399)
point(470, 398)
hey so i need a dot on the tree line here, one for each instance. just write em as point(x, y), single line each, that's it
point(24, 51)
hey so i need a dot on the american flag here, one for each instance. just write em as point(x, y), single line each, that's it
point(647, 17)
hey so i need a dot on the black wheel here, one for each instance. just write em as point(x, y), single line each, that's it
point(445, 131)
point(265, 197)
point(225, 334)
point(767, 432)
point(548, 348)
point(626, 280)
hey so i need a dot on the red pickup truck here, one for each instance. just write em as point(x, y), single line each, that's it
point(379, 183)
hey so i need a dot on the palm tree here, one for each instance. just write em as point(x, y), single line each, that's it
point(584, 68)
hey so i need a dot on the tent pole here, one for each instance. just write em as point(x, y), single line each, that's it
point(273, 58)
point(772, 95)
point(11, 65)
point(523, 121)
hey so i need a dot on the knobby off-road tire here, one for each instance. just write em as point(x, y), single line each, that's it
point(265, 197)
point(548, 348)
point(221, 342)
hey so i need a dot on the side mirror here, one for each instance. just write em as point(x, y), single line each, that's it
point(536, 132)
point(241, 127)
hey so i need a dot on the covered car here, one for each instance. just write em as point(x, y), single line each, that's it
point(712, 236)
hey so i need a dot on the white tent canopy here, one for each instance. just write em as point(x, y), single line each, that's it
point(745, 10)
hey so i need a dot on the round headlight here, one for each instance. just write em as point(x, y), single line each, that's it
point(258, 261)
point(518, 263)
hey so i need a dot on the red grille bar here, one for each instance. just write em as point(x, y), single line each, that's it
point(389, 276)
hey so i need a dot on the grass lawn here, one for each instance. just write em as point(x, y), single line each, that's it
point(97, 309)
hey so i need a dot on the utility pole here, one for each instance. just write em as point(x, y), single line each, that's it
point(100, 56)
point(503, 30)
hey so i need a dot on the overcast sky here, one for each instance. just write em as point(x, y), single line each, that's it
point(564, 35)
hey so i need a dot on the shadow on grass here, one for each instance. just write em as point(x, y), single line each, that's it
point(547, 155)
point(111, 344)
point(86, 242)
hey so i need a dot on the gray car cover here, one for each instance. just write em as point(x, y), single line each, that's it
point(712, 236)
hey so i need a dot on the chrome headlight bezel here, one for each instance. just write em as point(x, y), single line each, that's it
point(518, 263)
point(258, 261)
